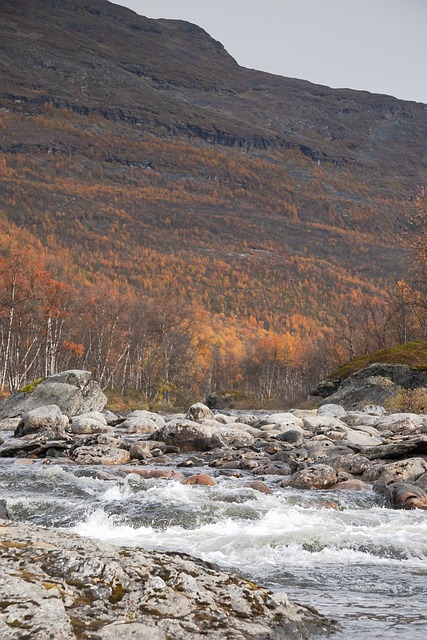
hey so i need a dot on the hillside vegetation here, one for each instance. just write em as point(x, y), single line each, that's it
point(412, 354)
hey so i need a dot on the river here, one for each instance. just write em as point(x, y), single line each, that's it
point(344, 553)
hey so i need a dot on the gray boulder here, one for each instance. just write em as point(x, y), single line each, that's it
point(89, 423)
point(143, 414)
point(100, 449)
point(331, 409)
point(47, 421)
point(402, 471)
point(100, 454)
point(359, 437)
point(142, 422)
point(198, 411)
point(350, 463)
point(74, 392)
point(192, 436)
point(284, 419)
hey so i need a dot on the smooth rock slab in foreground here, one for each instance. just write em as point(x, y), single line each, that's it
point(58, 586)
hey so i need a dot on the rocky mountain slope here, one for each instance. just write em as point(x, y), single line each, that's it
point(139, 149)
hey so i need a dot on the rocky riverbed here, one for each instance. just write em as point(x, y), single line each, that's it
point(321, 503)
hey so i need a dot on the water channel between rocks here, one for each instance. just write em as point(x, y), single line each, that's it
point(344, 553)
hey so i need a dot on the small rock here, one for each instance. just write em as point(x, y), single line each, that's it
point(200, 478)
point(272, 469)
point(140, 451)
point(198, 411)
point(260, 486)
point(330, 409)
point(165, 474)
point(292, 436)
point(3, 510)
point(110, 417)
point(373, 409)
point(349, 485)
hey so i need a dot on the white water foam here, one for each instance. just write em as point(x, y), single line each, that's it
point(278, 535)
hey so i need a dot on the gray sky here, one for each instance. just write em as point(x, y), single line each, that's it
point(374, 45)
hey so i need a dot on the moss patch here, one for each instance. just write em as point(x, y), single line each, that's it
point(118, 593)
point(413, 354)
point(29, 388)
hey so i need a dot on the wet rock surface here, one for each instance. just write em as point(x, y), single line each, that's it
point(58, 586)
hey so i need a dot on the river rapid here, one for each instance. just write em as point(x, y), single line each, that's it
point(343, 552)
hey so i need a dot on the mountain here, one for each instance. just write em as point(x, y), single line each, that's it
point(139, 150)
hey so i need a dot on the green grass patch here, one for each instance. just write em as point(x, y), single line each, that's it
point(413, 354)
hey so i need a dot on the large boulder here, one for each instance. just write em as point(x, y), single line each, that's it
point(284, 419)
point(74, 392)
point(142, 415)
point(402, 471)
point(350, 463)
point(192, 436)
point(100, 449)
point(45, 421)
point(359, 437)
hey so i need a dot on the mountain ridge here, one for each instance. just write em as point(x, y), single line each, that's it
point(202, 65)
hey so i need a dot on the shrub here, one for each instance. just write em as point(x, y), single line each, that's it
point(408, 401)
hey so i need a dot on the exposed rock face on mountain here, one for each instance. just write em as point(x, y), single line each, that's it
point(95, 56)
point(373, 385)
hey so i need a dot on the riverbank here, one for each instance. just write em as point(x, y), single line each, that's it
point(327, 505)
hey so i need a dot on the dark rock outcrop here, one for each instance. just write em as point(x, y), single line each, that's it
point(373, 385)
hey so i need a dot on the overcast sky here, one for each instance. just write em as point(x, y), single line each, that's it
point(375, 45)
